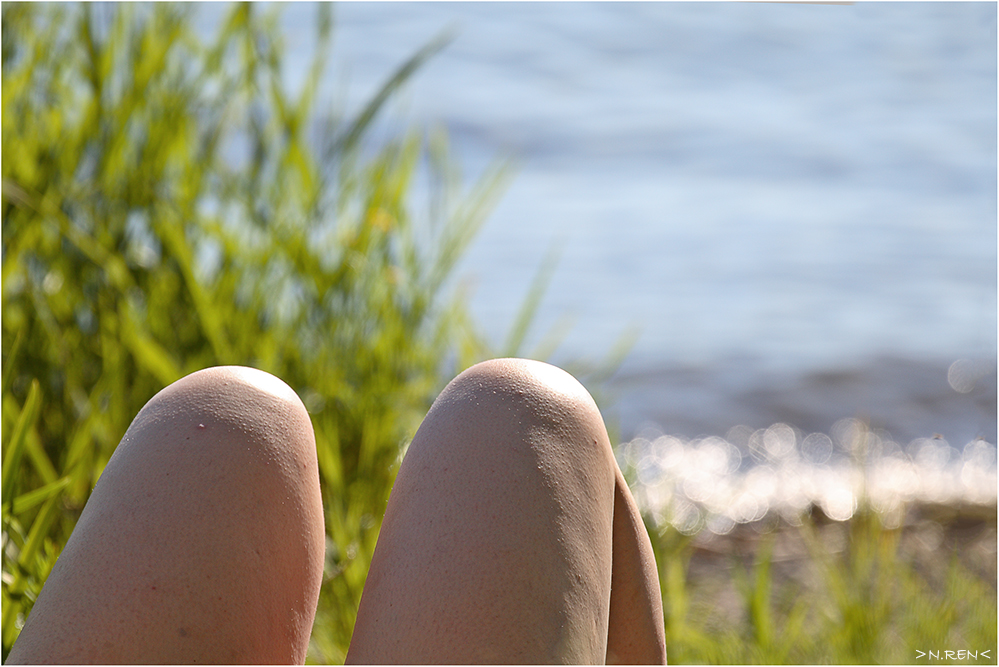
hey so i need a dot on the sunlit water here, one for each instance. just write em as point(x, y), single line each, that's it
point(794, 205)
point(752, 475)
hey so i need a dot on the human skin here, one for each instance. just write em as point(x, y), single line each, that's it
point(203, 540)
point(510, 535)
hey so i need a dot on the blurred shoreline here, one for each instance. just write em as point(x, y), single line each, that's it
point(967, 530)
point(727, 447)
point(932, 539)
point(907, 398)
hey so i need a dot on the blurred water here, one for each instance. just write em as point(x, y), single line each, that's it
point(801, 184)
point(794, 204)
point(751, 476)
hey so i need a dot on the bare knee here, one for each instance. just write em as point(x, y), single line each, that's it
point(497, 541)
point(530, 396)
point(240, 415)
point(203, 539)
point(517, 427)
point(544, 399)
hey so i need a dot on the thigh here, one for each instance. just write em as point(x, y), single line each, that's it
point(202, 540)
point(499, 536)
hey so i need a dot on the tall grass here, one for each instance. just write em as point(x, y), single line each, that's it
point(856, 592)
point(167, 206)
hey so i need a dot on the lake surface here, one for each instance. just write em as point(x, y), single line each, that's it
point(793, 205)
point(806, 185)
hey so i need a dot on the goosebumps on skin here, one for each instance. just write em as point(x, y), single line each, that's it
point(510, 535)
point(203, 540)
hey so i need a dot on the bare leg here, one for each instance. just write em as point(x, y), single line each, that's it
point(636, 633)
point(507, 525)
point(202, 541)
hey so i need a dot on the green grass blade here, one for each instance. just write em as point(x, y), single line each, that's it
point(19, 439)
point(350, 138)
point(10, 362)
point(759, 602)
point(173, 237)
point(30, 500)
point(36, 536)
point(43, 465)
point(554, 337)
point(529, 308)
point(146, 351)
